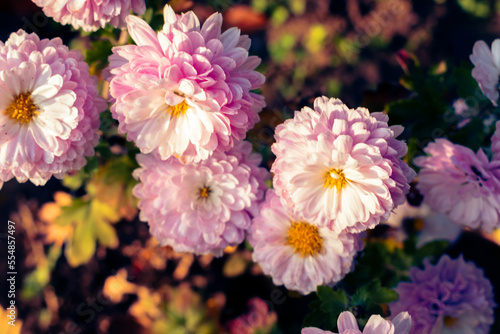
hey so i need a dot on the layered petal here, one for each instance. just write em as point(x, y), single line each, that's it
point(201, 207)
point(49, 114)
point(184, 91)
point(340, 167)
point(90, 15)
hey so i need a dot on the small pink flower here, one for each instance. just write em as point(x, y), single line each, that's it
point(185, 91)
point(91, 15)
point(200, 207)
point(487, 68)
point(340, 167)
point(431, 225)
point(456, 181)
point(297, 254)
point(258, 319)
point(347, 324)
point(49, 109)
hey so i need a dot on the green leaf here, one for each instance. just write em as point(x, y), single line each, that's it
point(91, 220)
point(332, 301)
point(81, 247)
point(380, 295)
point(431, 249)
point(466, 85)
point(98, 53)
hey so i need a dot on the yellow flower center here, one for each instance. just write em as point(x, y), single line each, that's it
point(335, 178)
point(22, 109)
point(449, 321)
point(178, 109)
point(305, 239)
point(204, 192)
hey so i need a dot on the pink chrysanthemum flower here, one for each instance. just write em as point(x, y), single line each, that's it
point(259, 319)
point(487, 68)
point(200, 207)
point(452, 296)
point(340, 167)
point(347, 324)
point(456, 181)
point(297, 254)
point(49, 109)
point(90, 15)
point(185, 91)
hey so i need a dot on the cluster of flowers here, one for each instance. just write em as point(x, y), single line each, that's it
point(453, 179)
point(183, 96)
point(452, 296)
point(338, 172)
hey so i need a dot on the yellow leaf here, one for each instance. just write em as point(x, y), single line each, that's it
point(81, 247)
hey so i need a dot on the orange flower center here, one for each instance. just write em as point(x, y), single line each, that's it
point(305, 239)
point(178, 109)
point(204, 192)
point(449, 321)
point(335, 178)
point(22, 108)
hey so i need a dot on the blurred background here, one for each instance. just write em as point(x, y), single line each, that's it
point(346, 49)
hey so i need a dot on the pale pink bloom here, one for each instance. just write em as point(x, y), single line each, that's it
point(431, 225)
point(340, 167)
point(200, 207)
point(91, 15)
point(49, 109)
point(297, 254)
point(487, 68)
point(185, 91)
point(347, 324)
point(456, 181)
point(259, 319)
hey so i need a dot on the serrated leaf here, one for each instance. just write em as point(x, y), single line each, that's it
point(378, 294)
point(72, 214)
point(92, 221)
point(433, 248)
point(333, 302)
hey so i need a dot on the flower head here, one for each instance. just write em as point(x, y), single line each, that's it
point(347, 324)
point(296, 253)
point(49, 109)
point(259, 319)
point(340, 167)
point(456, 181)
point(451, 297)
point(487, 68)
point(185, 92)
point(200, 207)
point(427, 223)
point(91, 15)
